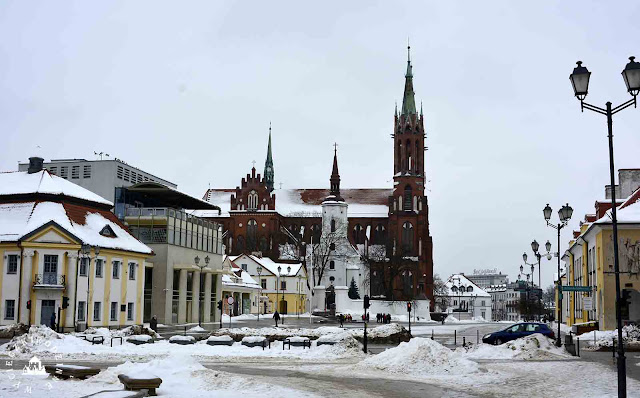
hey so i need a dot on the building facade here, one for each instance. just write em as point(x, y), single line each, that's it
point(99, 176)
point(488, 277)
point(467, 300)
point(65, 256)
point(388, 229)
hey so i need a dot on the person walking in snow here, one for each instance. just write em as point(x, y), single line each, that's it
point(341, 319)
point(53, 320)
point(276, 316)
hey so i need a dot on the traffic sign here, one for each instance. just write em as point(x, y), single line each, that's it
point(230, 300)
point(576, 288)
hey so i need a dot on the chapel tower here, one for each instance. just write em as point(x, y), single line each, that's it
point(268, 166)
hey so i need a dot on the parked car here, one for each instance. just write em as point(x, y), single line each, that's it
point(516, 331)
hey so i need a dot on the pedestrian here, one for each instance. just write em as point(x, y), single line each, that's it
point(53, 320)
point(276, 316)
point(153, 323)
point(341, 319)
point(367, 317)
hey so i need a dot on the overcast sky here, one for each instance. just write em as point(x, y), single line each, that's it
point(186, 91)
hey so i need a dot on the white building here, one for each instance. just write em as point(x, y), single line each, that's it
point(466, 299)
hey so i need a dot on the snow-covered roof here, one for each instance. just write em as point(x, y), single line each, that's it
point(270, 265)
point(627, 212)
point(245, 280)
point(43, 182)
point(460, 286)
point(308, 202)
point(85, 223)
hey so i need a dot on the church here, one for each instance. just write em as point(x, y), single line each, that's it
point(375, 238)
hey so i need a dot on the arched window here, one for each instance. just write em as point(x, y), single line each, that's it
point(418, 166)
point(252, 200)
point(240, 244)
point(332, 264)
point(332, 246)
point(333, 225)
point(409, 158)
point(252, 235)
point(379, 235)
point(454, 289)
point(407, 198)
point(264, 245)
point(400, 157)
point(316, 232)
point(407, 238)
point(358, 234)
point(469, 288)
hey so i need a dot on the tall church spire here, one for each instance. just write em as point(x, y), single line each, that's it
point(268, 165)
point(335, 177)
point(408, 100)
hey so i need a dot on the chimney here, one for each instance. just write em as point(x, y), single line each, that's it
point(35, 165)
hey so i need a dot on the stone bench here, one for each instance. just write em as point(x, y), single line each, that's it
point(137, 383)
point(140, 339)
point(182, 340)
point(326, 342)
point(93, 339)
point(67, 371)
point(256, 341)
point(220, 340)
point(296, 342)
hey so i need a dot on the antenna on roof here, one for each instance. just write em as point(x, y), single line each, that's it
point(100, 154)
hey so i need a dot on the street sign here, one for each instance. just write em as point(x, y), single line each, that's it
point(230, 300)
point(576, 288)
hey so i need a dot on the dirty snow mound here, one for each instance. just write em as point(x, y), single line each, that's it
point(37, 337)
point(420, 357)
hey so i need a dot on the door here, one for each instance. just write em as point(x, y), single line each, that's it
point(47, 308)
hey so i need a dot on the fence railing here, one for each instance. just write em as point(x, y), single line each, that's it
point(49, 279)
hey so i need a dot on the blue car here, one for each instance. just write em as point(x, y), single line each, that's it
point(516, 331)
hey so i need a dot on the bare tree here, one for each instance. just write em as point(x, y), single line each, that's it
point(440, 293)
point(332, 244)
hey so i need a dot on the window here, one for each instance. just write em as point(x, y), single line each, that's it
point(130, 312)
point(119, 172)
point(99, 263)
point(84, 262)
point(12, 266)
point(75, 172)
point(332, 246)
point(332, 264)
point(116, 269)
point(9, 309)
point(244, 267)
point(517, 328)
point(96, 310)
point(406, 204)
point(132, 271)
point(379, 235)
point(114, 311)
point(53, 170)
point(455, 302)
point(252, 200)
point(283, 285)
point(50, 276)
point(134, 176)
point(126, 174)
point(263, 283)
point(358, 234)
point(532, 327)
point(483, 314)
point(252, 235)
point(469, 288)
point(454, 289)
point(482, 303)
point(81, 310)
point(407, 238)
point(64, 172)
point(86, 171)
point(333, 225)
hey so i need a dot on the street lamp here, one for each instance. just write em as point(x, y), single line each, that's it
point(564, 214)
point(259, 269)
point(278, 288)
point(580, 80)
point(299, 295)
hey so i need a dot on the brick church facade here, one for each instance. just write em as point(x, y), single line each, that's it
point(389, 227)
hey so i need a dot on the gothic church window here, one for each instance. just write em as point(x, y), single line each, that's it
point(315, 232)
point(379, 235)
point(407, 238)
point(252, 200)
point(252, 235)
point(358, 234)
point(240, 244)
point(407, 205)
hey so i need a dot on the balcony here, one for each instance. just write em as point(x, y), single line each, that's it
point(49, 281)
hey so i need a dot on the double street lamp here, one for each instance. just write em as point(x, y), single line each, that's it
point(200, 292)
point(259, 270)
point(564, 214)
point(580, 81)
point(535, 246)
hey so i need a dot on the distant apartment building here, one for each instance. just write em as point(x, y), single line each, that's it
point(101, 177)
point(487, 277)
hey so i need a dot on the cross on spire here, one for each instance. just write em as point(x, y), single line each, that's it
point(253, 162)
point(335, 147)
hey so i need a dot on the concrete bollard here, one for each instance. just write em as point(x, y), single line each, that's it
point(455, 338)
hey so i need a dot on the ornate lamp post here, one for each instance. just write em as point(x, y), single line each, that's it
point(259, 270)
point(206, 263)
point(564, 214)
point(580, 81)
point(278, 289)
point(299, 295)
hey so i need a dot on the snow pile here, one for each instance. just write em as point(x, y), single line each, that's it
point(335, 337)
point(37, 338)
point(535, 346)
point(196, 329)
point(181, 338)
point(253, 339)
point(140, 337)
point(10, 331)
point(420, 357)
point(604, 338)
point(451, 319)
point(220, 338)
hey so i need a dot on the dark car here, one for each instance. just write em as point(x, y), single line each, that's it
point(516, 331)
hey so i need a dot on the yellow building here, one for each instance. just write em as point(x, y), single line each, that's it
point(65, 257)
point(590, 263)
point(281, 284)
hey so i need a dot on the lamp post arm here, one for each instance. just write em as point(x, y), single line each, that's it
point(597, 109)
point(625, 105)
